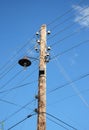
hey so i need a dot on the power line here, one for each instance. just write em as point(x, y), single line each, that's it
point(66, 97)
point(17, 111)
point(57, 123)
point(11, 79)
point(34, 36)
point(9, 69)
point(9, 102)
point(75, 32)
point(65, 51)
point(69, 83)
point(23, 47)
point(61, 121)
point(30, 74)
point(67, 12)
point(73, 86)
point(68, 27)
point(4, 74)
point(58, 120)
point(19, 86)
point(30, 115)
point(67, 19)
point(16, 53)
point(12, 68)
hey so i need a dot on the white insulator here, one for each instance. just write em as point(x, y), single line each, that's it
point(36, 48)
point(48, 48)
point(37, 33)
point(47, 54)
point(48, 32)
point(38, 41)
point(47, 60)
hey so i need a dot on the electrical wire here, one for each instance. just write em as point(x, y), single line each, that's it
point(69, 83)
point(56, 118)
point(68, 36)
point(68, 50)
point(9, 70)
point(17, 111)
point(19, 86)
point(10, 67)
point(75, 89)
point(11, 79)
point(67, 12)
point(68, 27)
point(17, 53)
point(67, 19)
point(30, 74)
point(66, 84)
point(65, 51)
point(30, 115)
point(34, 35)
point(84, 76)
point(9, 102)
point(70, 96)
point(61, 121)
point(27, 76)
point(57, 123)
point(9, 90)
point(3, 86)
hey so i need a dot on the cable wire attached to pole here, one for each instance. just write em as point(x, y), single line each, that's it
point(21, 121)
point(61, 121)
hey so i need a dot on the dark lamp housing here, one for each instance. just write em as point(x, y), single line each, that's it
point(25, 62)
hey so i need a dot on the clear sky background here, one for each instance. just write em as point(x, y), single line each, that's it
point(67, 73)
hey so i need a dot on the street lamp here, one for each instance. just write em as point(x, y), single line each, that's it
point(25, 62)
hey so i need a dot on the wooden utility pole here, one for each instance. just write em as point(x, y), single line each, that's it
point(41, 121)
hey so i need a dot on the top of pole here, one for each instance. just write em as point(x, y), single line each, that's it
point(43, 25)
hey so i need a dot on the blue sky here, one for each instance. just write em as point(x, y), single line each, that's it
point(19, 21)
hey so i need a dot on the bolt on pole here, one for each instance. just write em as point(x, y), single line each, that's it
point(41, 119)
